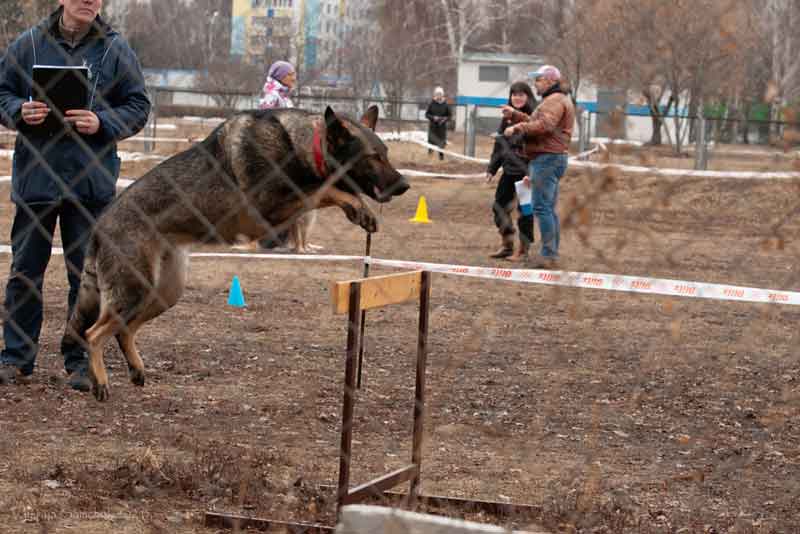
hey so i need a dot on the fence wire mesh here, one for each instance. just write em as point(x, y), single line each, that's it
point(601, 410)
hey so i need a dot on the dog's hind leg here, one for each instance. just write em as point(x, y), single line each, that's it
point(107, 324)
point(85, 312)
point(170, 281)
point(127, 345)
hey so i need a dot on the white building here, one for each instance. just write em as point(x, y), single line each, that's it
point(484, 79)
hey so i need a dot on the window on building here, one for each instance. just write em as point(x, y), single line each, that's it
point(492, 73)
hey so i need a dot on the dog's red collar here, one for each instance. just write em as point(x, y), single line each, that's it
point(319, 155)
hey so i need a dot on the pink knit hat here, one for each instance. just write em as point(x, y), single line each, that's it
point(279, 69)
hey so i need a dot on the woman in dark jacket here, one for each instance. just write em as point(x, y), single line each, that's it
point(438, 113)
point(507, 153)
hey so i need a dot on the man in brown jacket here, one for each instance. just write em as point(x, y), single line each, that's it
point(547, 136)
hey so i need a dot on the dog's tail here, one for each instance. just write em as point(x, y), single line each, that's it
point(87, 308)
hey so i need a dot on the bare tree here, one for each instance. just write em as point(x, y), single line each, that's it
point(670, 50)
point(465, 20)
point(360, 59)
point(780, 20)
point(17, 15)
point(178, 34)
point(412, 53)
point(228, 82)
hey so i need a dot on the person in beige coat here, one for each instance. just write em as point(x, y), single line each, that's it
point(547, 132)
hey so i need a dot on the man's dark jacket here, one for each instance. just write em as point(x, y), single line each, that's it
point(69, 164)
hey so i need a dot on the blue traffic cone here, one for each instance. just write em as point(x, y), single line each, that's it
point(236, 296)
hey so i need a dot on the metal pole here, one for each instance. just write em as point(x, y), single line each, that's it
point(346, 448)
point(363, 314)
point(419, 395)
point(466, 127)
point(700, 162)
point(473, 116)
point(582, 134)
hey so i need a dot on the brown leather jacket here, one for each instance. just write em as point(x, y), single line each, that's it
point(549, 128)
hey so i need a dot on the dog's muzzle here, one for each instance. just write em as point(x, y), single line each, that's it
point(396, 189)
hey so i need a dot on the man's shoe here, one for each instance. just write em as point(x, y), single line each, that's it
point(9, 374)
point(543, 262)
point(79, 380)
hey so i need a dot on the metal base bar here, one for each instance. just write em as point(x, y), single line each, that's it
point(379, 485)
point(237, 522)
point(497, 509)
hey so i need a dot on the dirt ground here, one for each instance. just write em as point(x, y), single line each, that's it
point(610, 412)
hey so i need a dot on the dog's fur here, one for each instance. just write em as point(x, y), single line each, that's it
point(254, 175)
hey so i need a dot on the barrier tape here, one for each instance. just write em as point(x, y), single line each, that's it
point(143, 139)
point(689, 173)
point(268, 256)
point(123, 155)
point(138, 138)
point(450, 153)
point(138, 156)
point(411, 172)
point(575, 161)
point(121, 182)
point(608, 282)
point(58, 251)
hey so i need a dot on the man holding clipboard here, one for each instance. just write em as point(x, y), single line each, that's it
point(72, 87)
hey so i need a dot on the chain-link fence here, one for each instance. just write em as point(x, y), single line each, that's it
point(644, 378)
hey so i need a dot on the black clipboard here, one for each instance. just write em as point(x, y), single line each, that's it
point(62, 88)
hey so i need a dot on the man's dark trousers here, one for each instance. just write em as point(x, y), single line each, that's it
point(31, 241)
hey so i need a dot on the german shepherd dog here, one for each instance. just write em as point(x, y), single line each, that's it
point(256, 173)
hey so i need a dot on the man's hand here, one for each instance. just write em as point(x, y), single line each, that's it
point(34, 113)
point(489, 177)
point(526, 181)
point(85, 121)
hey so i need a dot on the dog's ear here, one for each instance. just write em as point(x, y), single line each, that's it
point(337, 131)
point(370, 118)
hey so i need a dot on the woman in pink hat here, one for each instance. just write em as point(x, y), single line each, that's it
point(281, 79)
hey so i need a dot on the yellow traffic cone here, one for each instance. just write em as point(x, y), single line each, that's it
point(422, 212)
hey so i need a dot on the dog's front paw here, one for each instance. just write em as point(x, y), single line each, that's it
point(368, 221)
point(363, 217)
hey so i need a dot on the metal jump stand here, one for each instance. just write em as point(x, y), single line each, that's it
point(353, 298)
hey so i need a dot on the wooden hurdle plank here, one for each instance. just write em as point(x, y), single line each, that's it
point(379, 485)
point(378, 291)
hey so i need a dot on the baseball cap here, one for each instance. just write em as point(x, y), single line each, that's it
point(546, 71)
